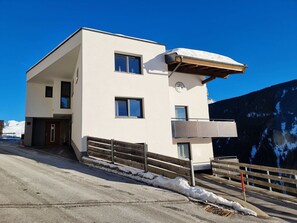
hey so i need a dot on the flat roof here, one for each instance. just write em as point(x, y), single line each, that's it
point(92, 30)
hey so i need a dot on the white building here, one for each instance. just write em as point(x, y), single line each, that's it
point(118, 87)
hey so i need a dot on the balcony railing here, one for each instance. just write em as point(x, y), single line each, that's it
point(203, 128)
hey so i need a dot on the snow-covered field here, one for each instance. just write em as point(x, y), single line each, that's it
point(178, 184)
point(13, 129)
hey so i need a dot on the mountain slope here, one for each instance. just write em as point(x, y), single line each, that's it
point(266, 123)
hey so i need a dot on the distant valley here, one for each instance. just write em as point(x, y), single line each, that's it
point(266, 124)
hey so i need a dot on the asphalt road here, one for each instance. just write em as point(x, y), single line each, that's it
point(37, 187)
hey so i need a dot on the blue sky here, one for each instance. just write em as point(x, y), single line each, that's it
point(262, 34)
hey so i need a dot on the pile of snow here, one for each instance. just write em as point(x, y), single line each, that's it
point(13, 128)
point(203, 55)
point(178, 184)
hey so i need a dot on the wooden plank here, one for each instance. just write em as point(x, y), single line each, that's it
point(184, 163)
point(98, 150)
point(232, 67)
point(99, 145)
point(272, 177)
point(129, 163)
point(258, 167)
point(169, 166)
point(128, 144)
point(107, 141)
point(132, 151)
point(232, 176)
point(98, 155)
point(261, 175)
point(127, 156)
point(166, 173)
point(275, 186)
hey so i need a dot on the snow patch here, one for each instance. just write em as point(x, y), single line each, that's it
point(284, 93)
point(253, 153)
point(13, 128)
point(203, 55)
point(257, 115)
point(277, 107)
point(178, 184)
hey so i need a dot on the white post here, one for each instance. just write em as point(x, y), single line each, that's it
point(246, 176)
point(269, 181)
point(296, 179)
point(229, 171)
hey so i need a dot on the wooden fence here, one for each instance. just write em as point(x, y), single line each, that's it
point(276, 179)
point(137, 156)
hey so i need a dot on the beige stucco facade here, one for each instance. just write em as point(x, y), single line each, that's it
point(86, 59)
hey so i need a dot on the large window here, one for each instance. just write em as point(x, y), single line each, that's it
point(183, 150)
point(128, 107)
point(181, 113)
point(65, 94)
point(127, 64)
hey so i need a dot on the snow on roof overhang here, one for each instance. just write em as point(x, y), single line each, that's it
point(202, 63)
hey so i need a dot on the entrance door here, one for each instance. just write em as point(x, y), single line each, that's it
point(52, 133)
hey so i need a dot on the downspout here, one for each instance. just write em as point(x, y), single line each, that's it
point(177, 66)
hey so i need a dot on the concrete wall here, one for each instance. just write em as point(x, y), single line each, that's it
point(76, 103)
point(194, 96)
point(101, 84)
point(37, 105)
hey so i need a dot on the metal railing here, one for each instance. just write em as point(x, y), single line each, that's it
point(203, 128)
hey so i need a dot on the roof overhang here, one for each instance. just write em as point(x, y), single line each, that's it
point(211, 69)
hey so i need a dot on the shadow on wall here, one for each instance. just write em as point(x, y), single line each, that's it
point(153, 65)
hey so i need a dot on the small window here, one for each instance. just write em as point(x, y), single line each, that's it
point(127, 64)
point(181, 113)
point(65, 94)
point(48, 92)
point(128, 107)
point(183, 150)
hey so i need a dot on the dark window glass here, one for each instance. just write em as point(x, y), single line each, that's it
point(121, 107)
point(120, 63)
point(127, 64)
point(134, 65)
point(183, 150)
point(48, 91)
point(65, 94)
point(181, 113)
point(126, 107)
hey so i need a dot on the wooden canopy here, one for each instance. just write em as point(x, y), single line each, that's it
point(212, 69)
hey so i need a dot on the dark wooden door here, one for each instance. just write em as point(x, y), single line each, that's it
point(52, 133)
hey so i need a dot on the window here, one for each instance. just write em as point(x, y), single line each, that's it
point(181, 113)
point(127, 64)
point(48, 91)
point(128, 107)
point(65, 94)
point(183, 150)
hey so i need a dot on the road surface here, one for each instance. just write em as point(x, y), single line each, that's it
point(37, 187)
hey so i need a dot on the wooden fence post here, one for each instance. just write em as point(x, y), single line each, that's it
point(269, 181)
point(112, 150)
point(192, 174)
point(145, 157)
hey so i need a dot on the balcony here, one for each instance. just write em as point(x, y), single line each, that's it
point(203, 128)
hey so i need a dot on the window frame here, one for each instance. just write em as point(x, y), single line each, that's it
point(51, 91)
point(186, 112)
point(189, 150)
point(127, 56)
point(61, 104)
point(127, 100)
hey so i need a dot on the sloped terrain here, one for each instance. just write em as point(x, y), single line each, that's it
point(266, 123)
